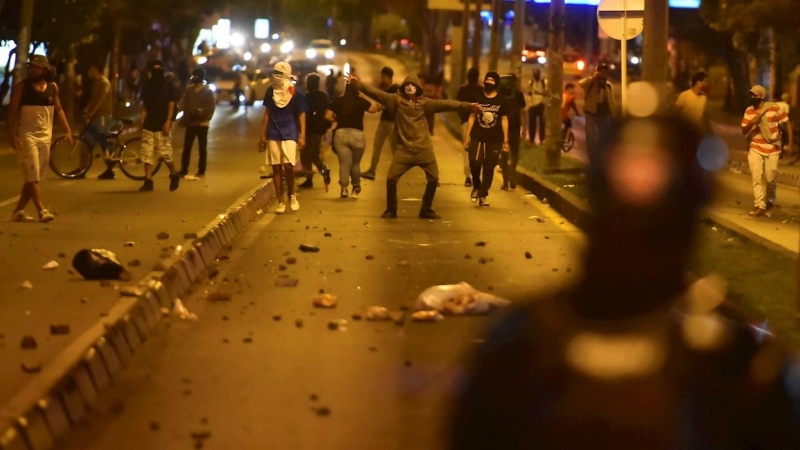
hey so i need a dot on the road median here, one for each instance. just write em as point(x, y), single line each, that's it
point(58, 397)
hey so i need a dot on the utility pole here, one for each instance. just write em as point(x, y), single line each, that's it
point(517, 40)
point(24, 39)
point(655, 57)
point(494, 48)
point(555, 77)
point(477, 39)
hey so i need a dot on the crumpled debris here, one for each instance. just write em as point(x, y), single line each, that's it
point(162, 236)
point(181, 312)
point(427, 316)
point(286, 281)
point(218, 296)
point(325, 301)
point(376, 313)
point(62, 255)
point(528, 255)
point(480, 244)
point(26, 285)
point(483, 260)
point(458, 299)
point(335, 325)
point(306, 248)
point(129, 244)
point(298, 323)
point(131, 291)
point(28, 343)
point(60, 329)
point(370, 257)
point(328, 235)
point(52, 265)
point(322, 411)
point(291, 261)
point(134, 263)
point(99, 264)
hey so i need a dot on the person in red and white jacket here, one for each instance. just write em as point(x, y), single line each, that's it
point(761, 126)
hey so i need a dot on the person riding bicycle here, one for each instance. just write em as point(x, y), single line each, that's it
point(567, 105)
point(97, 114)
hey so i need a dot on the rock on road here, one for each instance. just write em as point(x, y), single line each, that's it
point(264, 370)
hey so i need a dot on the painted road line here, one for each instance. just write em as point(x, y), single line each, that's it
point(9, 202)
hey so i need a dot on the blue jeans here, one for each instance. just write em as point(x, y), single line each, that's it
point(349, 144)
point(97, 131)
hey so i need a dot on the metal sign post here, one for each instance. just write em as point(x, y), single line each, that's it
point(624, 56)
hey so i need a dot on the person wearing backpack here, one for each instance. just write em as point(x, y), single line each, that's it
point(761, 124)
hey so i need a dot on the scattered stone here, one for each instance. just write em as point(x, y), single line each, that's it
point(370, 257)
point(373, 349)
point(162, 236)
point(298, 323)
point(154, 426)
point(277, 318)
point(225, 341)
point(285, 281)
point(325, 301)
point(480, 244)
point(247, 340)
point(337, 270)
point(328, 235)
point(225, 318)
point(307, 248)
point(555, 269)
point(204, 421)
point(31, 367)
point(528, 255)
point(131, 291)
point(59, 329)
point(357, 317)
point(547, 237)
point(408, 363)
point(427, 316)
point(218, 296)
point(282, 267)
point(376, 313)
point(26, 285)
point(62, 255)
point(313, 397)
point(323, 411)
point(291, 261)
point(190, 236)
point(28, 343)
point(483, 260)
point(134, 263)
point(333, 325)
point(129, 244)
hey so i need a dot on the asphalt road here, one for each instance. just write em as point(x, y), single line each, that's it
point(245, 376)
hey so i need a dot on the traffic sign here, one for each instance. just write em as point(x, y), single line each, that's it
point(621, 18)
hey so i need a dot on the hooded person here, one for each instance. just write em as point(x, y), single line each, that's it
point(159, 99)
point(469, 92)
point(632, 355)
point(317, 126)
point(413, 146)
point(198, 105)
point(283, 131)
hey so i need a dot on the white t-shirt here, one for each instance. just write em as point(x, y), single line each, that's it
point(785, 107)
point(692, 107)
point(538, 91)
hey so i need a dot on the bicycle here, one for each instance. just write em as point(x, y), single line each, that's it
point(567, 138)
point(74, 161)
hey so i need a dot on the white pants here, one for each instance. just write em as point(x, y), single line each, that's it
point(33, 156)
point(761, 168)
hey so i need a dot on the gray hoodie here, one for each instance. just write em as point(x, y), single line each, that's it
point(412, 138)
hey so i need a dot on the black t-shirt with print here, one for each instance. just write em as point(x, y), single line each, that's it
point(488, 126)
point(350, 112)
point(157, 97)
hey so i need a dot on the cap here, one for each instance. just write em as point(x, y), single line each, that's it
point(494, 76)
point(758, 91)
point(283, 67)
point(199, 70)
point(387, 71)
point(39, 61)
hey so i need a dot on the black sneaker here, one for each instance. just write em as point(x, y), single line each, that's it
point(183, 173)
point(147, 186)
point(308, 184)
point(174, 181)
point(107, 175)
point(389, 214)
point(199, 175)
point(368, 175)
point(513, 184)
point(468, 182)
point(326, 174)
point(473, 197)
point(429, 214)
point(483, 202)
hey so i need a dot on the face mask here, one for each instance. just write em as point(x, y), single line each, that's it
point(197, 80)
point(410, 90)
point(755, 101)
point(489, 87)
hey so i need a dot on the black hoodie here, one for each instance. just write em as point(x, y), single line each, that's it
point(317, 105)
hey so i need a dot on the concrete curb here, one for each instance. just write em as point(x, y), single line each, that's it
point(57, 399)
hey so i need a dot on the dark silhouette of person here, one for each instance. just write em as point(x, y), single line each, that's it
point(632, 356)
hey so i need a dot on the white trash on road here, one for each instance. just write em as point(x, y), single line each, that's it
point(458, 299)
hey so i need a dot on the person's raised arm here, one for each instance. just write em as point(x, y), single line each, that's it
point(436, 106)
point(385, 99)
point(13, 115)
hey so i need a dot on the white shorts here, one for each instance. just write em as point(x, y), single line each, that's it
point(281, 152)
point(156, 143)
point(33, 157)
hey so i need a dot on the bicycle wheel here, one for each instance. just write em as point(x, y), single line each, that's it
point(70, 160)
point(568, 142)
point(130, 160)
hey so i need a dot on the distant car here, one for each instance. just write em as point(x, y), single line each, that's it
point(224, 87)
point(259, 83)
point(534, 55)
point(574, 65)
point(321, 50)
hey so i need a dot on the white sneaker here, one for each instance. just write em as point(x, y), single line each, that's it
point(20, 216)
point(281, 208)
point(294, 204)
point(46, 216)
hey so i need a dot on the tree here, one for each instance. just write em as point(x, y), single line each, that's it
point(388, 27)
point(555, 78)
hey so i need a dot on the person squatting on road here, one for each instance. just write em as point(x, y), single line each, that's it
point(413, 147)
point(316, 127)
point(761, 124)
point(385, 126)
point(34, 102)
point(469, 92)
point(159, 109)
point(631, 356)
point(517, 127)
point(348, 137)
point(487, 137)
point(98, 116)
point(198, 105)
point(283, 130)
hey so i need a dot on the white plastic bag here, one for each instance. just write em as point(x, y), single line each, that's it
point(458, 299)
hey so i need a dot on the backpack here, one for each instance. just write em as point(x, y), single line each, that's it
point(763, 126)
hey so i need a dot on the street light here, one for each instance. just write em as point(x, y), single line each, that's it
point(237, 40)
point(266, 48)
point(248, 56)
point(343, 42)
point(287, 47)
